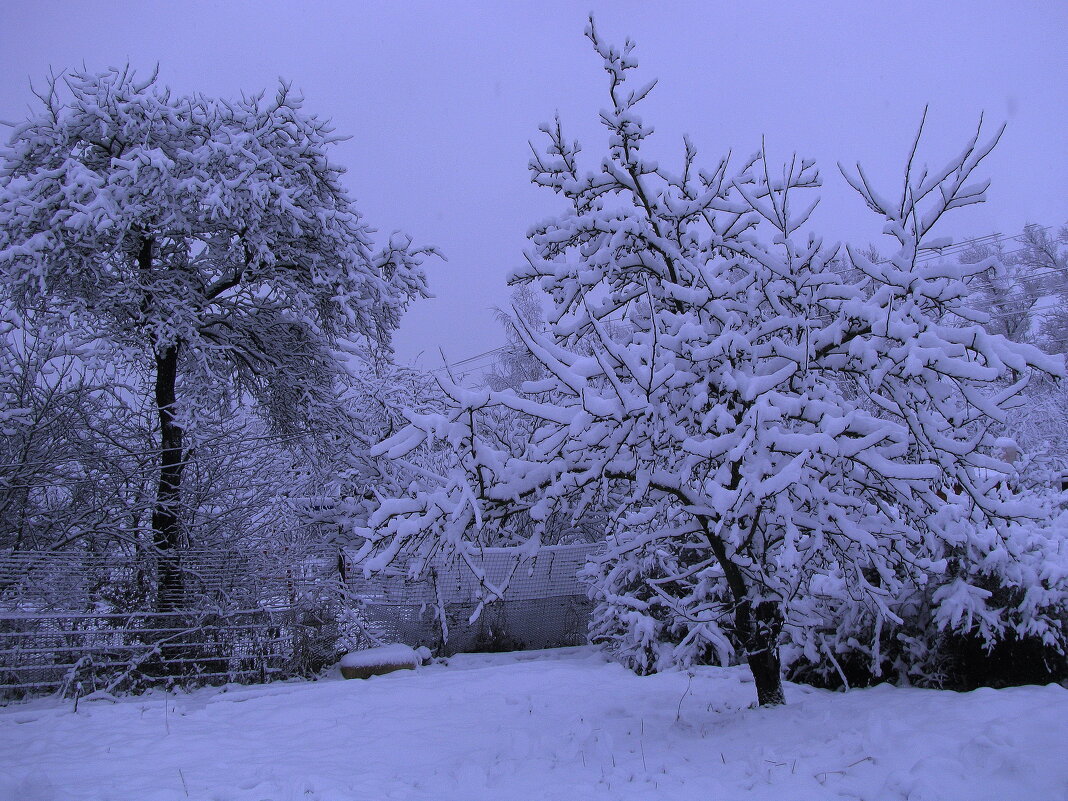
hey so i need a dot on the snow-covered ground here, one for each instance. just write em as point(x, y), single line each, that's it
point(561, 724)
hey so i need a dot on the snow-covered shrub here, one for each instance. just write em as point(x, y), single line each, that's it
point(994, 620)
point(999, 622)
point(996, 616)
point(647, 595)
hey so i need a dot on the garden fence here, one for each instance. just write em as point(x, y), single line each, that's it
point(500, 601)
point(78, 622)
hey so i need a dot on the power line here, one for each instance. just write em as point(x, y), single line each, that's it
point(469, 359)
point(957, 247)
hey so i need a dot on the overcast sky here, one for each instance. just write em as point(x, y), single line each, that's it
point(441, 99)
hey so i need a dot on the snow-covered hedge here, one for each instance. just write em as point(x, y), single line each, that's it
point(996, 621)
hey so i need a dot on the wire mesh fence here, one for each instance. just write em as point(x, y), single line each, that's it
point(496, 601)
point(82, 654)
point(119, 581)
point(78, 622)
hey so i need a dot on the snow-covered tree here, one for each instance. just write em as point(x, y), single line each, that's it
point(1022, 287)
point(1005, 289)
point(349, 480)
point(210, 243)
point(1022, 284)
point(1045, 254)
point(59, 441)
point(515, 363)
point(781, 435)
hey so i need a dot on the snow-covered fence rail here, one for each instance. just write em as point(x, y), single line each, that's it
point(83, 653)
point(496, 600)
point(80, 621)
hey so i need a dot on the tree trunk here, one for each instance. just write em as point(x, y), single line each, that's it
point(762, 650)
point(757, 627)
point(166, 523)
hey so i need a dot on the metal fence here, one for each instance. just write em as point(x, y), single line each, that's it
point(125, 581)
point(501, 601)
point(78, 622)
point(78, 654)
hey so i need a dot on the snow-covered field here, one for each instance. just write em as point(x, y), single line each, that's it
point(559, 724)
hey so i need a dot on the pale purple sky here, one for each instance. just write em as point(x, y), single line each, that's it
point(441, 99)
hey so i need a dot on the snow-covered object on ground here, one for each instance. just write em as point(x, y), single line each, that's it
point(377, 661)
point(540, 726)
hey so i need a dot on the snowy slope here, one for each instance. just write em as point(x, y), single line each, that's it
point(559, 724)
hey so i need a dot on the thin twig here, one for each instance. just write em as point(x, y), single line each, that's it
point(678, 712)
